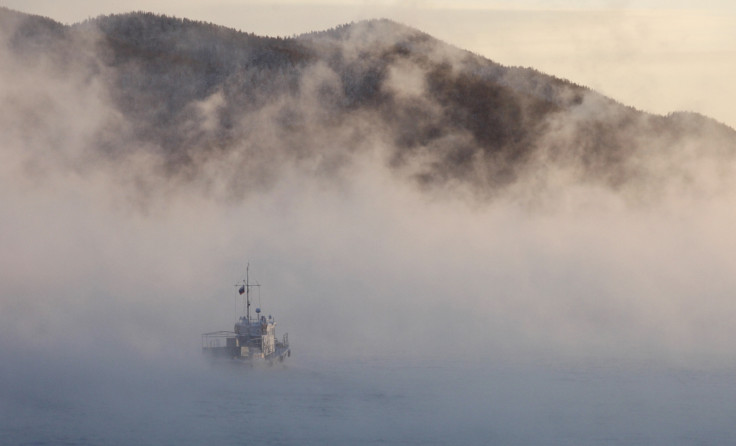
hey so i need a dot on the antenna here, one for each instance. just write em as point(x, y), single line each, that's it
point(245, 288)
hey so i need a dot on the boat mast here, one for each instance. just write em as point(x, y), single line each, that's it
point(246, 287)
point(247, 292)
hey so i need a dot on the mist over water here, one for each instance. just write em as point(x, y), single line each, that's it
point(412, 320)
point(551, 311)
point(371, 268)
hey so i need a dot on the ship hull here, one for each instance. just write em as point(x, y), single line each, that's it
point(231, 346)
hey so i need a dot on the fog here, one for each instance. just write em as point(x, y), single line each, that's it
point(111, 270)
point(369, 268)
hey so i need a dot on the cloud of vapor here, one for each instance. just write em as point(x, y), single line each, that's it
point(110, 252)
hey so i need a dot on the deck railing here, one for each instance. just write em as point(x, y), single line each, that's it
point(214, 339)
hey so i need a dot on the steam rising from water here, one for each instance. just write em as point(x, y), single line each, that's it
point(369, 266)
point(104, 253)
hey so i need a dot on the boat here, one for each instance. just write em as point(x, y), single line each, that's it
point(252, 340)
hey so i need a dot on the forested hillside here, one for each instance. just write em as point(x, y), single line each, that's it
point(203, 102)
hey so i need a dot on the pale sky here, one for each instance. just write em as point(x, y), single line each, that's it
point(656, 55)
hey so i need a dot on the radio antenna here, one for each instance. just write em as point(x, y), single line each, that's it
point(245, 289)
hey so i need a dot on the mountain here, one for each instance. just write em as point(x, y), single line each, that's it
point(227, 109)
